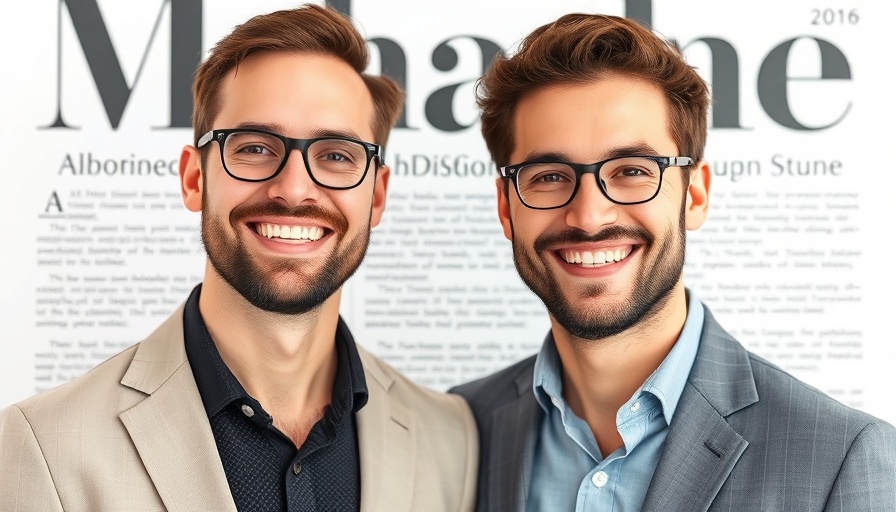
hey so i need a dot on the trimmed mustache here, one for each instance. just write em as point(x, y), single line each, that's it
point(577, 236)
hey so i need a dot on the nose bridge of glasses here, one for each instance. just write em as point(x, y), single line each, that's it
point(588, 173)
point(292, 145)
point(295, 167)
point(301, 159)
point(590, 207)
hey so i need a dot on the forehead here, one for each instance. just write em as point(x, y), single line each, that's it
point(302, 94)
point(588, 121)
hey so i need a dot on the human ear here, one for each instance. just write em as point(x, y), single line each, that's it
point(504, 208)
point(380, 187)
point(697, 197)
point(190, 173)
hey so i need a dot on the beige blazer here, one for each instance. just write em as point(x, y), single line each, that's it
point(132, 435)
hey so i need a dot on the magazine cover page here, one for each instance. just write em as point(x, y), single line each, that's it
point(795, 259)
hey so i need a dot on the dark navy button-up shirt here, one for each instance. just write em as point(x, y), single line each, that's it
point(265, 470)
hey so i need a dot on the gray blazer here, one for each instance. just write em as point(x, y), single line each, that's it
point(746, 436)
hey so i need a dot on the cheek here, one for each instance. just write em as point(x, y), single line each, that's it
point(356, 208)
point(230, 192)
point(670, 193)
point(656, 218)
point(669, 204)
point(527, 224)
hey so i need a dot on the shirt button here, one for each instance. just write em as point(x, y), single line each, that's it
point(636, 406)
point(248, 411)
point(297, 468)
point(599, 479)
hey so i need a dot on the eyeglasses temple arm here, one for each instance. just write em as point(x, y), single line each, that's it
point(681, 161)
point(205, 139)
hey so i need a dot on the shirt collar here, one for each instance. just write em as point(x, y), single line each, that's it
point(666, 383)
point(548, 381)
point(219, 387)
point(668, 380)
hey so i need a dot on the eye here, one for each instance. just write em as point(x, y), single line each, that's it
point(337, 152)
point(633, 171)
point(253, 145)
point(336, 157)
point(635, 168)
point(546, 174)
point(254, 149)
point(550, 177)
point(630, 171)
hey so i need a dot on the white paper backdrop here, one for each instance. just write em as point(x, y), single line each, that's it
point(795, 260)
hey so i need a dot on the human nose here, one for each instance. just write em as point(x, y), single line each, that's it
point(293, 184)
point(590, 209)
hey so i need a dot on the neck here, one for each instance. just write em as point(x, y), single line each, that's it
point(599, 376)
point(286, 362)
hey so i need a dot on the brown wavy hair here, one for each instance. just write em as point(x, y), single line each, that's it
point(581, 48)
point(309, 28)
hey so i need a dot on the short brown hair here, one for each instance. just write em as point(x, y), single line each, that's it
point(309, 28)
point(578, 48)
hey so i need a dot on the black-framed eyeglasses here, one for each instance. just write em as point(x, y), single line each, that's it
point(545, 184)
point(251, 154)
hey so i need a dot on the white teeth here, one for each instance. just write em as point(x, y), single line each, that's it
point(591, 259)
point(289, 232)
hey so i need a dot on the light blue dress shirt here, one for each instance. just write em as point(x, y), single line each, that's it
point(568, 471)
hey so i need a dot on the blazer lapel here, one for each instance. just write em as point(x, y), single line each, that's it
point(170, 427)
point(701, 448)
point(387, 444)
point(511, 447)
point(700, 451)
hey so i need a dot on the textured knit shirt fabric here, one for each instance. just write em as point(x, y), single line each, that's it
point(263, 467)
point(568, 471)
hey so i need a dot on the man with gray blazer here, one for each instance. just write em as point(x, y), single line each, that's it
point(253, 395)
point(638, 399)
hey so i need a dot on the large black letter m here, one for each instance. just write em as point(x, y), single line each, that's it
point(114, 91)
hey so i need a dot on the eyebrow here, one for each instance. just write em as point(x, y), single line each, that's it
point(638, 148)
point(317, 132)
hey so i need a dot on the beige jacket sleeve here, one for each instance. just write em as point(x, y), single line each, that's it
point(25, 480)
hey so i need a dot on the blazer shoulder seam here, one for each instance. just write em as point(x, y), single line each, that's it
point(870, 424)
point(784, 373)
point(41, 448)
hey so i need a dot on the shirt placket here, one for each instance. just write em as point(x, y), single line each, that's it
point(597, 490)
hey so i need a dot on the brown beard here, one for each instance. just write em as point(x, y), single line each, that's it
point(652, 288)
point(232, 260)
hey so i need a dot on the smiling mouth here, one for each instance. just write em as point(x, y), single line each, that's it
point(284, 232)
point(592, 259)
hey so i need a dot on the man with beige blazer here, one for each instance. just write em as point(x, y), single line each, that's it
point(253, 394)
